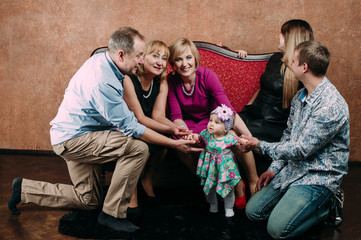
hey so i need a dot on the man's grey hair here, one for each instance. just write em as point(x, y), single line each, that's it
point(123, 39)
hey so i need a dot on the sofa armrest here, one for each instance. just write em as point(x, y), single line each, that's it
point(231, 54)
point(99, 50)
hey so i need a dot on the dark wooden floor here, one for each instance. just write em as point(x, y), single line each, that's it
point(42, 223)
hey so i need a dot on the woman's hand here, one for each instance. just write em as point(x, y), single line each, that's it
point(181, 132)
point(241, 53)
point(219, 43)
point(182, 125)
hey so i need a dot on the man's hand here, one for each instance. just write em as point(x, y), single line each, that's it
point(184, 146)
point(264, 179)
point(247, 143)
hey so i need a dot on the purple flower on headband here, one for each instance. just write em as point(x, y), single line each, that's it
point(223, 112)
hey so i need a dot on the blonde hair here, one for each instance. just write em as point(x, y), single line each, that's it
point(294, 32)
point(154, 46)
point(179, 46)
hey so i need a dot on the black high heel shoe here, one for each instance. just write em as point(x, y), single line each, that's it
point(145, 200)
point(134, 214)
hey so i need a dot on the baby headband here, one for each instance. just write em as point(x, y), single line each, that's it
point(225, 114)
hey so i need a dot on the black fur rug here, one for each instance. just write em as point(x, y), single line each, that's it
point(176, 218)
point(167, 222)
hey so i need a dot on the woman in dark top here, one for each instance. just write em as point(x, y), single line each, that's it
point(146, 95)
point(266, 116)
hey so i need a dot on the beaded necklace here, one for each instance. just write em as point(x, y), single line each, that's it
point(150, 90)
point(185, 92)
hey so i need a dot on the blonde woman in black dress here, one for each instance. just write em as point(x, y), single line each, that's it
point(146, 95)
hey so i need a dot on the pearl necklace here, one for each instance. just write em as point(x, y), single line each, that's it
point(150, 90)
point(185, 92)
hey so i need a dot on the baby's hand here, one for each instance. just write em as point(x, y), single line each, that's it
point(242, 141)
point(242, 144)
point(193, 136)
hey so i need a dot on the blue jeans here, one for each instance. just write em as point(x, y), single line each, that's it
point(290, 212)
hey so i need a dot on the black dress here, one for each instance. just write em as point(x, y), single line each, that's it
point(265, 118)
point(147, 104)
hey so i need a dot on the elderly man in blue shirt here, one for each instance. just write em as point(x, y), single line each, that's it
point(94, 126)
point(311, 158)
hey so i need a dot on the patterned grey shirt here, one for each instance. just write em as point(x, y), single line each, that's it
point(314, 149)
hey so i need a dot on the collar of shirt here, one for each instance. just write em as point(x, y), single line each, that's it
point(314, 95)
point(303, 97)
point(114, 68)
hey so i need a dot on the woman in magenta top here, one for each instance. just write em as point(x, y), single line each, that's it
point(194, 106)
point(194, 91)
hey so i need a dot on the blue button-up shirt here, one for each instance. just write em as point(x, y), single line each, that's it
point(314, 149)
point(94, 101)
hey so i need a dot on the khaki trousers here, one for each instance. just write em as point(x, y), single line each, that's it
point(83, 156)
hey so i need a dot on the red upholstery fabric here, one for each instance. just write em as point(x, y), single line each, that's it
point(240, 79)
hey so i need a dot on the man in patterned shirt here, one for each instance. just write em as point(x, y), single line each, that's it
point(311, 158)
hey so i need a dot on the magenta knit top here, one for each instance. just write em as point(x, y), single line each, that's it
point(195, 110)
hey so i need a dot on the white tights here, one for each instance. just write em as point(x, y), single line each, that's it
point(228, 202)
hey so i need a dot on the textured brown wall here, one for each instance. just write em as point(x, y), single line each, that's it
point(44, 42)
